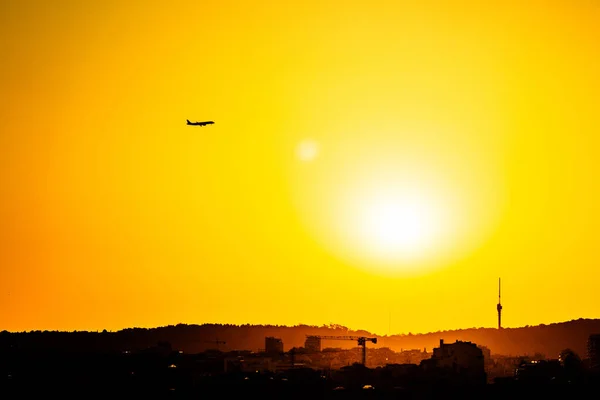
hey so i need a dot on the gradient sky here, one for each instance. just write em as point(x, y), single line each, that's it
point(373, 164)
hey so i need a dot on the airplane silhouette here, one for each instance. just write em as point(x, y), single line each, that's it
point(203, 123)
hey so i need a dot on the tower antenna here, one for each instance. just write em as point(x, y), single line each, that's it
point(499, 307)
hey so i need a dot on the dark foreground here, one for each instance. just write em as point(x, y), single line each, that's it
point(31, 374)
point(259, 386)
point(298, 391)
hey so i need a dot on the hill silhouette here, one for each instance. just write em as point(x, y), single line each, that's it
point(548, 340)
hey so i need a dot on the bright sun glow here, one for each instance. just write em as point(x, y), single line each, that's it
point(402, 226)
point(397, 226)
point(405, 206)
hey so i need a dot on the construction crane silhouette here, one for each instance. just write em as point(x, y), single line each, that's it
point(361, 340)
point(216, 341)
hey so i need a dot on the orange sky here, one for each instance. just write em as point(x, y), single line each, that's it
point(367, 160)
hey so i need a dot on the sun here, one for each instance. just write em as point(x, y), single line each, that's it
point(398, 225)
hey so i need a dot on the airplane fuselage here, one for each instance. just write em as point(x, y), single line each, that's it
point(202, 123)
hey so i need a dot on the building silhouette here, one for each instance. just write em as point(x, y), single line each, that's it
point(539, 371)
point(312, 344)
point(273, 345)
point(458, 355)
point(461, 358)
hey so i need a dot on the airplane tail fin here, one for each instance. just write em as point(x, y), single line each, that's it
point(188, 121)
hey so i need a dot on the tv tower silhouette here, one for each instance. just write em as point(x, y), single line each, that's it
point(499, 307)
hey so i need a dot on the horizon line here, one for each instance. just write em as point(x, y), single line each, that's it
point(330, 326)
